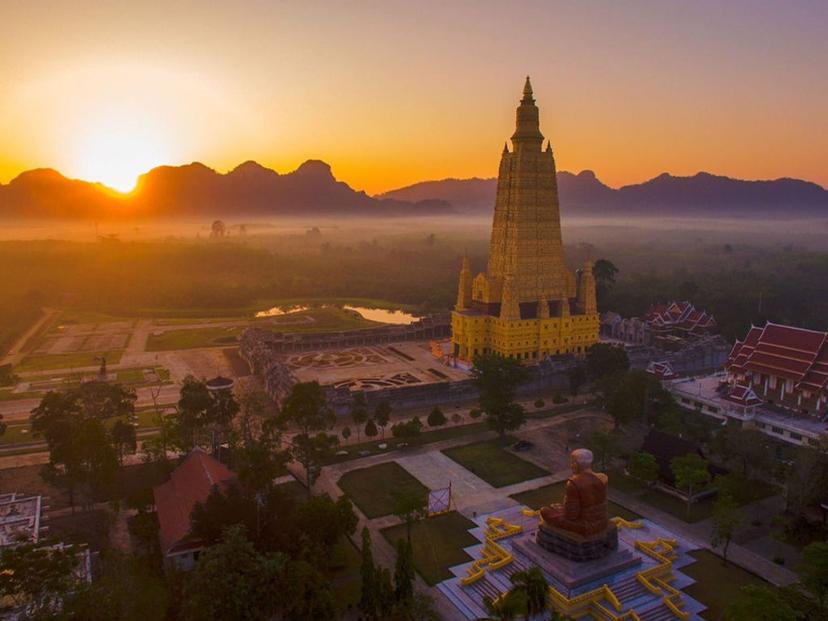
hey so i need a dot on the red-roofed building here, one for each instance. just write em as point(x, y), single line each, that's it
point(189, 484)
point(662, 370)
point(784, 366)
point(664, 325)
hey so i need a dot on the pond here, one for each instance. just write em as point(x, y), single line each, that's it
point(381, 315)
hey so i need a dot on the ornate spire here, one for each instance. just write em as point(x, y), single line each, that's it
point(505, 148)
point(527, 131)
point(464, 287)
point(527, 92)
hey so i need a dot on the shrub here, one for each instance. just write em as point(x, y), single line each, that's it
point(436, 418)
point(475, 413)
point(539, 403)
point(559, 398)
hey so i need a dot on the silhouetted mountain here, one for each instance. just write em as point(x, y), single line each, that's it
point(701, 195)
point(196, 190)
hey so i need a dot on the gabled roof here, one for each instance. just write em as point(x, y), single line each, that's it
point(742, 395)
point(189, 484)
point(792, 353)
point(663, 370)
point(682, 315)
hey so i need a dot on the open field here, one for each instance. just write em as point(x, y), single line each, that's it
point(494, 464)
point(48, 362)
point(372, 489)
point(438, 544)
point(548, 494)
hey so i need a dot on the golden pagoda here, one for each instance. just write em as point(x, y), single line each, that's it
point(527, 304)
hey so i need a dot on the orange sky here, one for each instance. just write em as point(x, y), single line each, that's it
point(391, 93)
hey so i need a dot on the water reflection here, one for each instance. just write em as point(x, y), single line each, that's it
point(381, 315)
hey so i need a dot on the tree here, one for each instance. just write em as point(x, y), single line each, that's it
point(759, 603)
point(604, 271)
point(123, 437)
point(217, 229)
point(603, 445)
point(307, 408)
point(81, 453)
point(325, 522)
point(407, 430)
point(308, 593)
point(436, 418)
point(193, 412)
point(504, 608)
point(691, 473)
point(126, 590)
point(643, 467)
point(259, 462)
point(410, 507)
point(806, 480)
point(535, 588)
point(636, 395)
point(749, 449)
point(603, 359)
point(37, 576)
point(346, 433)
point(382, 415)
point(497, 378)
point(371, 430)
point(359, 411)
point(814, 571)
point(313, 452)
point(369, 599)
point(404, 573)
point(233, 581)
point(726, 519)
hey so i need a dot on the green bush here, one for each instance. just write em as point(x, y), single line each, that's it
point(539, 403)
point(559, 398)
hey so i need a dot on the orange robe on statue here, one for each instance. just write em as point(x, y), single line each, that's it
point(584, 509)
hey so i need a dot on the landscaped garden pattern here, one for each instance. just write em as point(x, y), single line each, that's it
point(494, 464)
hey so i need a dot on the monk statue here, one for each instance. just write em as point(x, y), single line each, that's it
point(584, 509)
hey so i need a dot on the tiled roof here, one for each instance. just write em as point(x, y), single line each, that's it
point(792, 353)
point(189, 484)
point(681, 315)
point(662, 370)
point(742, 395)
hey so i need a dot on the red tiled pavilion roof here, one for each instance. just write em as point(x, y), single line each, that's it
point(742, 395)
point(189, 484)
point(794, 354)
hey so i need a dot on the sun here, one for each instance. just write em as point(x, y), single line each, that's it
point(116, 151)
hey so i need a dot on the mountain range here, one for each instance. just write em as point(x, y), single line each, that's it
point(666, 195)
point(250, 189)
point(196, 190)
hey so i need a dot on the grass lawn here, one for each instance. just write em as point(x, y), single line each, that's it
point(196, 337)
point(438, 544)
point(392, 443)
point(494, 464)
point(17, 434)
point(716, 584)
point(701, 510)
point(130, 376)
point(8, 395)
point(46, 362)
point(541, 496)
point(371, 488)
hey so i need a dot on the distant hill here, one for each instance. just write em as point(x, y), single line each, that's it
point(700, 195)
point(196, 190)
point(250, 189)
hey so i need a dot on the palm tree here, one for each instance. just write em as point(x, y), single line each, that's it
point(504, 608)
point(533, 585)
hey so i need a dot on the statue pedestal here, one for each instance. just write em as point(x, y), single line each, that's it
point(577, 547)
point(571, 573)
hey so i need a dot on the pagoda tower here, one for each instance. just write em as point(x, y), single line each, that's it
point(527, 304)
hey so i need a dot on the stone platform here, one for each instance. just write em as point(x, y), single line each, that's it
point(576, 547)
point(570, 573)
point(617, 572)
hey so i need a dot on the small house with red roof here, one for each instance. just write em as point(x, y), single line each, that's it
point(190, 483)
point(783, 366)
point(662, 370)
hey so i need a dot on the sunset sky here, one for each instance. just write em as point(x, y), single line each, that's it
point(390, 93)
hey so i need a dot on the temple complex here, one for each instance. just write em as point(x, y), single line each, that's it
point(527, 304)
